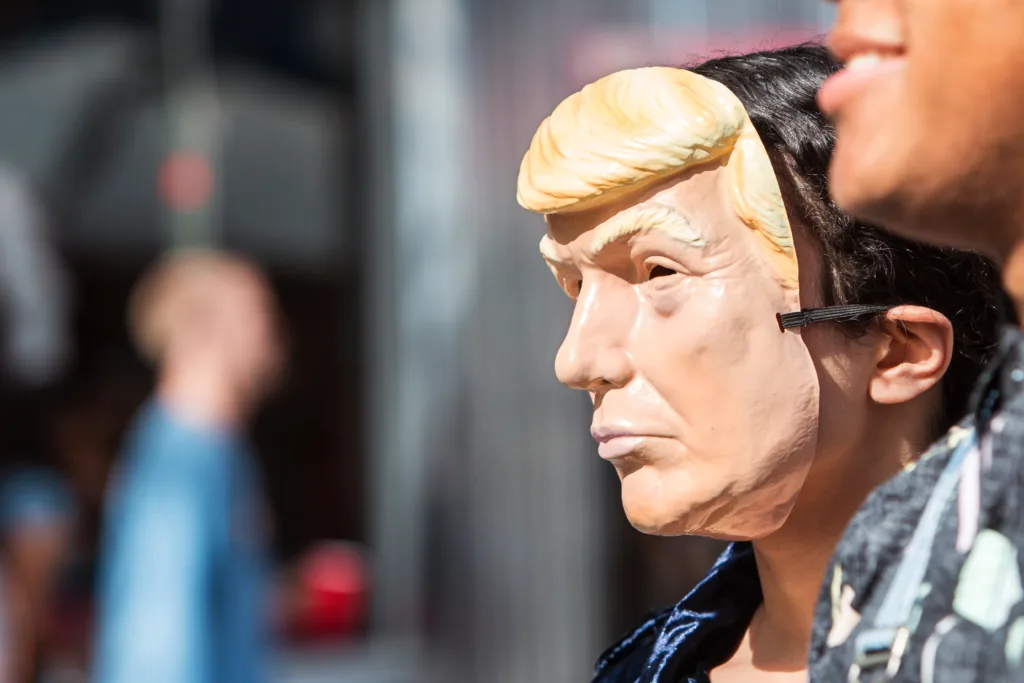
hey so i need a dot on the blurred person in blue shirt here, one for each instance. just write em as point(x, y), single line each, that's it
point(184, 592)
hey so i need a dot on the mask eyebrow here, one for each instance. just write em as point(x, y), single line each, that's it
point(660, 217)
point(550, 252)
point(558, 266)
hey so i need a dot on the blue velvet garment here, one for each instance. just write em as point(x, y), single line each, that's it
point(183, 588)
point(683, 644)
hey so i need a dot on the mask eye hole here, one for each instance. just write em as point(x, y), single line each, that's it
point(661, 271)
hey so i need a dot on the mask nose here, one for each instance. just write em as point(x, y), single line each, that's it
point(593, 355)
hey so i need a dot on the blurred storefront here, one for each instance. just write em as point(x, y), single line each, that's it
point(365, 152)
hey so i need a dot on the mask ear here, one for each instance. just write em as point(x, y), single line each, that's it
point(916, 354)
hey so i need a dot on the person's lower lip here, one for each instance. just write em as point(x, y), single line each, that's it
point(847, 84)
point(619, 447)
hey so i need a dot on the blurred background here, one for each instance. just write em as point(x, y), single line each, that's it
point(364, 153)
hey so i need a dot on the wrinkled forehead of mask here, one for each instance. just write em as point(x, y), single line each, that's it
point(635, 128)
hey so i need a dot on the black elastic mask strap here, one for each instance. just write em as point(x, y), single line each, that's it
point(829, 314)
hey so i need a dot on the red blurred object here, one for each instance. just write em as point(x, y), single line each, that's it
point(186, 180)
point(334, 582)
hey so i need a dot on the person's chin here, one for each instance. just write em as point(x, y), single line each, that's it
point(664, 506)
point(656, 507)
point(874, 196)
point(859, 187)
point(879, 179)
point(892, 200)
point(654, 523)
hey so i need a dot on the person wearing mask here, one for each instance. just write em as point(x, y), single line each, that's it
point(758, 362)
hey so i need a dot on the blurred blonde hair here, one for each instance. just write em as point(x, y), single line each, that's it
point(176, 290)
point(636, 127)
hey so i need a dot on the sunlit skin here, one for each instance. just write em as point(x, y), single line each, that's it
point(928, 116)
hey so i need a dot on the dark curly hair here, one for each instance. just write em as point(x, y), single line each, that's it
point(862, 263)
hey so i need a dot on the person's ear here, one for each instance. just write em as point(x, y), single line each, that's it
point(917, 350)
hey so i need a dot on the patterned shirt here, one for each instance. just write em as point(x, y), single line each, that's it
point(926, 583)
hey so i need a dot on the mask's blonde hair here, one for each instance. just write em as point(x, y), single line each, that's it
point(636, 127)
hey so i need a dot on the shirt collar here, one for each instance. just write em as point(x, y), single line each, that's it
point(699, 633)
point(1002, 380)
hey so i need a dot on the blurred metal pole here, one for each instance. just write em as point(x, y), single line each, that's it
point(420, 280)
point(479, 458)
point(193, 125)
point(535, 521)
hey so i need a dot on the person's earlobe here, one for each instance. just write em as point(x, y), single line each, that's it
point(917, 355)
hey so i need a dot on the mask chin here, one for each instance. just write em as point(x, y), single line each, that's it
point(765, 509)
